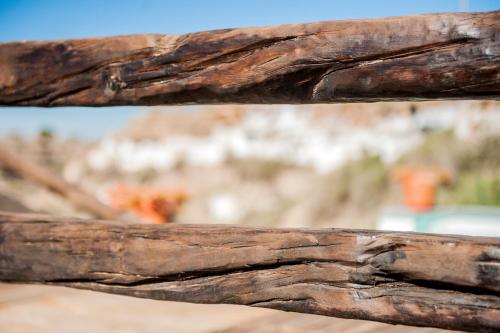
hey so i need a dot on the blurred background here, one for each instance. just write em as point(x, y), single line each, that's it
point(427, 167)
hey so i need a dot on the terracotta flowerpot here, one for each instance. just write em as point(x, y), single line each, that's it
point(420, 186)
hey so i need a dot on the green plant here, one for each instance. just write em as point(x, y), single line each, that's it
point(485, 154)
point(473, 188)
point(46, 133)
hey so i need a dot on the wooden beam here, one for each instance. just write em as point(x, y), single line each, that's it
point(44, 177)
point(436, 56)
point(449, 282)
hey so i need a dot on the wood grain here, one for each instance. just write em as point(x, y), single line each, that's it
point(415, 279)
point(435, 56)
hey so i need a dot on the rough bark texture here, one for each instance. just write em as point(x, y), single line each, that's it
point(28, 169)
point(406, 278)
point(437, 56)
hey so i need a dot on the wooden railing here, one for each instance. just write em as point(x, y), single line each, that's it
point(405, 278)
point(421, 57)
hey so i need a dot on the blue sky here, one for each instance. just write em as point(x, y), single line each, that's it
point(49, 19)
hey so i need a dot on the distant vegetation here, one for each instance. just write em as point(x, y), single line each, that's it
point(361, 184)
point(474, 164)
point(258, 168)
point(365, 184)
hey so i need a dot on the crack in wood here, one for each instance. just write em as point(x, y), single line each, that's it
point(406, 278)
point(434, 56)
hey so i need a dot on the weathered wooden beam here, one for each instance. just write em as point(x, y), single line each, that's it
point(44, 177)
point(402, 278)
point(436, 56)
